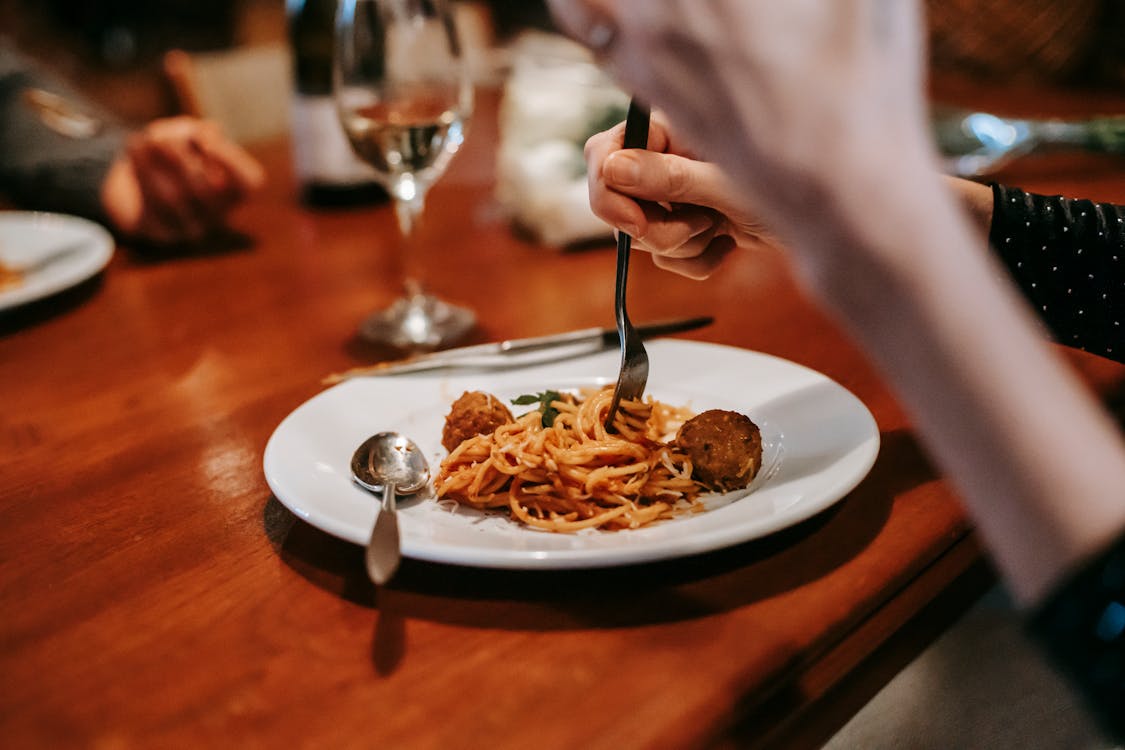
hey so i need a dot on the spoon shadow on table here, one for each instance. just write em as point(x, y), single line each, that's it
point(664, 591)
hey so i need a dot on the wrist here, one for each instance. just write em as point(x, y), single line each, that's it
point(120, 196)
point(976, 197)
point(875, 236)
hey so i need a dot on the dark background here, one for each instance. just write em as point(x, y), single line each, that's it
point(112, 48)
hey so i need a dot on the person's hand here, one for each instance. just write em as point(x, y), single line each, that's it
point(176, 182)
point(683, 211)
point(814, 109)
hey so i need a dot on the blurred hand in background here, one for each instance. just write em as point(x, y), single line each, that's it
point(176, 180)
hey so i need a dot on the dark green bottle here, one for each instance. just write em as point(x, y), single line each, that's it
point(327, 169)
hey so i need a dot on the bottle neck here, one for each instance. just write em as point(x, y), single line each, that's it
point(311, 25)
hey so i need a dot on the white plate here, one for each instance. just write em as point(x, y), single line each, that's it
point(28, 236)
point(819, 441)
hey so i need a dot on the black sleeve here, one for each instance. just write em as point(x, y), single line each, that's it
point(1068, 258)
point(41, 167)
point(1081, 627)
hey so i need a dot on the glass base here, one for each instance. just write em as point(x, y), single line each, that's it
point(419, 322)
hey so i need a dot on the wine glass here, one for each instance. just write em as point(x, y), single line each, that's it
point(404, 98)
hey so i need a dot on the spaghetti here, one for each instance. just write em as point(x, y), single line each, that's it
point(574, 474)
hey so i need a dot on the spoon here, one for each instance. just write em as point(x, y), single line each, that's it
point(390, 464)
point(978, 143)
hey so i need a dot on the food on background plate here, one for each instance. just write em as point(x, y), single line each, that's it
point(9, 276)
point(557, 468)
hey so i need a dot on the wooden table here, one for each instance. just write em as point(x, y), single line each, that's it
point(155, 594)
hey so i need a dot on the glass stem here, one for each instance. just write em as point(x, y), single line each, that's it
point(408, 211)
point(409, 202)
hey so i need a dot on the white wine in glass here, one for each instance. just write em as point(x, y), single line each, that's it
point(404, 97)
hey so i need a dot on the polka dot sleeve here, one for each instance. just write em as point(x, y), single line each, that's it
point(1068, 258)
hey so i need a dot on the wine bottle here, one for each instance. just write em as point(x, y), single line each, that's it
point(327, 169)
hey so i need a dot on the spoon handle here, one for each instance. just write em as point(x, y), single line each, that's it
point(383, 554)
point(1100, 134)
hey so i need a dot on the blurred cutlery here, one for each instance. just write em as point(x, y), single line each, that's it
point(977, 143)
point(511, 352)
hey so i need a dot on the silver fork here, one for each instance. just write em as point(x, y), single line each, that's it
point(633, 376)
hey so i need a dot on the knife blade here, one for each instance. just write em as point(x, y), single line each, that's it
point(503, 353)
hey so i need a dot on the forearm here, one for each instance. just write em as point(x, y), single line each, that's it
point(1037, 461)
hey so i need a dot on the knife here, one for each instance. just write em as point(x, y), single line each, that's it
point(501, 353)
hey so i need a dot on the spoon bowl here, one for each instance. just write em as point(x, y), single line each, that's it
point(389, 464)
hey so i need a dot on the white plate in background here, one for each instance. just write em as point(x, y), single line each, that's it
point(27, 237)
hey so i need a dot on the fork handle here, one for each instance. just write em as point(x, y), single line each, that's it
point(636, 125)
point(624, 246)
point(636, 136)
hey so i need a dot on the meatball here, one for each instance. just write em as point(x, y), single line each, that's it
point(475, 413)
point(725, 449)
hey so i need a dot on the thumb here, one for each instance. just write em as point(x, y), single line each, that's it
point(667, 178)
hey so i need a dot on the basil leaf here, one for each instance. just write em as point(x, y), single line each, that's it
point(544, 400)
point(549, 412)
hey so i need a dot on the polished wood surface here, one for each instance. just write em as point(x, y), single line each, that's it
point(155, 594)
